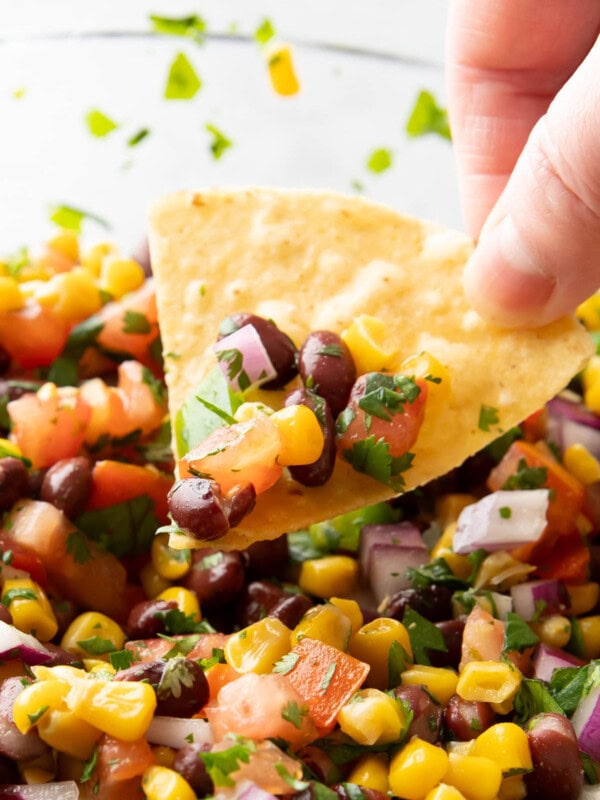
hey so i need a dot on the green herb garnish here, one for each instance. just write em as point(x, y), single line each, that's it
point(423, 635)
point(427, 117)
point(379, 160)
point(488, 415)
point(182, 82)
point(219, 142)
point(99, 124)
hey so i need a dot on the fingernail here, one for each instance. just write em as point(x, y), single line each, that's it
point(504, 281)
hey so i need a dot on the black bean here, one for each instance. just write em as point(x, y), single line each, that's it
point(326, 365)
point(266, 559)
point(290, 609)
point(452, 631)
point(180, 684)
point(36, 478)
point(280, 348)
point(9, 772)
point(427, 714)
point(432, 602)
point(557, 765)
point(466, 719)
point(14, 481)
point(319, 472)
point(242, 500)
point(4, 361)
point(191, 767)
point(256, 601)
point(197, 505)
point(68, 485)
point(216, 577)
point(5, 615)
point(147, 619)
point(60, 656)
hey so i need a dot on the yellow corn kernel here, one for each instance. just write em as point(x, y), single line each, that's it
point(123, 709)
point(591, 384)
point(438, 681)
point(373, 717)
point(445, 792)
point(416, 769)
point(447, 511)
point(66, 243)
point(186, 600)
point(152, 582)
point(170, 564)
point(95, 666)
point(327, 624)
point(350, 609)
point(30, 608)
point(61, 672)
point(11, 297)
point(328, 575)
point(281, 70)
point(366, 339)
point(118, 276)
point(589, 312)
point(506, 744)
point(301, 435)
point(371, 771)
point(581, 464)
point(67, 733)
point(554, 631)
point(164, 756)
point(73, 295)
point(36, 775)
point(92, 259)
point(162, 783)
point(372, 644)
point(460, 565)
point(36, 700)
point(488, 681)
point(500, 571)
point(513, 788)
point(425, 366)
point(257, 647)
point(582, 597)
point(590, 636)
point(476, 777)
point(93, 634)
point(10, 448)
point(252, 410)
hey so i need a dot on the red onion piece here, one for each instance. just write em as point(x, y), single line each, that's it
point(16, 644)
point(388, 566)
point(14, 744)
point(503, 604)
point(538, 597)
point(547, 659)
point(561, 406)
point(243, 359)
point(62, 790)
point(401, 534)
point(501, 521)
point(247, 790)
point(586, 723)
point(590, 792)
point(176, 732)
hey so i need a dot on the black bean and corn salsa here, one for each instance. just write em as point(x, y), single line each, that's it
point(444, 645)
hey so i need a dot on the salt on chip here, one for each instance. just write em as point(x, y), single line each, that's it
point(314, 260)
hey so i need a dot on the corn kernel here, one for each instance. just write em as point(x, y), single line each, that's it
point(372, 644)
point(366, 339)
point(371, 771)
point(513, 788)
point(169, 563)
point(373, 717)
point(500, 571)
point(163, 756)
point(250, 411)
point(476, 777)
point(554, 631)
point(11, 298)
point(95, 666)
point(122, 709)
point(448, 509)
point(92, 259)
point(350, 609)
point(581, 464)
point(281, 70)
point(93, 633)
point(64, 731)
point(119, 276)
point(416, 769)
point(589, 312)
point(66, 243)
point(152, 582)
point(257, 647)
point(10, 448)
point(327, 624)
point(425, 366)
point(590, 636)
point(505, 743)
point(488, 681)
point(582, 597)
point(73, 295)
point(438, 681)
point(61, 672)
point(459, 565)
point(591, 384)
point(328, 575)
point(37, 775)
point(30, 608)
point(186, 600)
point(445, 792)
point(162, 783)
point(36, 700)
point(301, 435)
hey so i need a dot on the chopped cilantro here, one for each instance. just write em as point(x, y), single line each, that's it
point(590, 769)
point(64, 371)
point(357, 185)
point(158, 450)
point(398, 660)
point(121, 659)
point(181, 647)
point(33, 718)
point(182, 82)
point(218, 657)
point(334, 350)
point(436, 572)
point(99, 124)
point(497, 449)
point(135, 322)
point(533, 698)
point(488, 415)
point(423, 635)
point(176, 622)
point(19, 93)
point(212, 560)
point(293, 713)
point(219, 142)
point(72, 218)
point(576, 644)
point(96, 645)
point(324, 685)
point(89, 766)
point(229, 419)
point(78, 547)
point(16, 262)
point(221, 764)
point(526, 477)
point(235, 366)
point(18, 594)
point(427, 117)
point(379, 160)
point(125, 528)
point(505, 512)
point(155, 385)
point(192, 26)
point(286, 663)
point(82, 336)
point(264, 32)
point(517, 634)
point(373, 457)
point(138, 137)
point(189, 738)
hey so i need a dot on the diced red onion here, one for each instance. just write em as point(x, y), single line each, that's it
point(14, 744)
point(501, 521)
point(387, 570)
point(538, 597)
point(256, 366)
point(503, 604)
point(400, 534)
point(586, 723)
point(176, 732)
point(16, 644)
point(61, 790)
point(247, 790)
point(570, 422)
point(590, 792)
point(570, 407)
point(547, 659)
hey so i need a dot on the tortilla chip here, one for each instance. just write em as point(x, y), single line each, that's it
point(317, 260)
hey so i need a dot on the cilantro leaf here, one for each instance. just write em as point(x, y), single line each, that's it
point(64, 371)
point(182, 82)
point(526, 477)
point(427, 117)
point(89, 766)
point(125, 528)
point(221, 764)
point(18, 594)
point(330, 672)
point(219, 143)
point(436, 572)
point(96, 645)
point(121, 659)
point(398, 660)
point(517, 634)
point(423, 636)
point(16, 262)
point(218, 657)
point(264, 32)
point(82, 336)
point(99, 124)
point(138, 137)
point(379, 160)
point(135, 322)
point(286, 663)
point(373, 457)
point(176, 622)
point(294, 714)
point(488, 415)
point(334, 350)
point(156, 386)
point(36, 716)
point(72, 218)
point(569, 684)
point(192, 26)
point(235, 366)
point(158, 450)
point(533, 698)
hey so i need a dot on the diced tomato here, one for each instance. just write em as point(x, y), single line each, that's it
point(115, 482)
point(120, 761)
point(32, 336)
point(245, 452)
point(94, 789)
point(483, 640)
point(143, 401)
point(207, 643)
point(149, 649)
point(568, 561)
point(107, 417)
point(534, 427)
point(269, 768)
point(50, 424)
point(32, 564)
point(218, 677)
point(131, 324)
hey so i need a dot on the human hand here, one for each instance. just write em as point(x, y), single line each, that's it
point(524, 102)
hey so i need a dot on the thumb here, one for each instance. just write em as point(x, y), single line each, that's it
point(538, 256)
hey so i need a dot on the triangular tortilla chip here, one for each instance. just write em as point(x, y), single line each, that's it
point(314, 260)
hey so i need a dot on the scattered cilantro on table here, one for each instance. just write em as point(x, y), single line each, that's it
point(219, 142)
point(138, 137)
point(72, 218)
point(182, 81)
point(380, 160)
point(193, 26)
point(264, 32)
point(99, 124)
point(428, 117)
